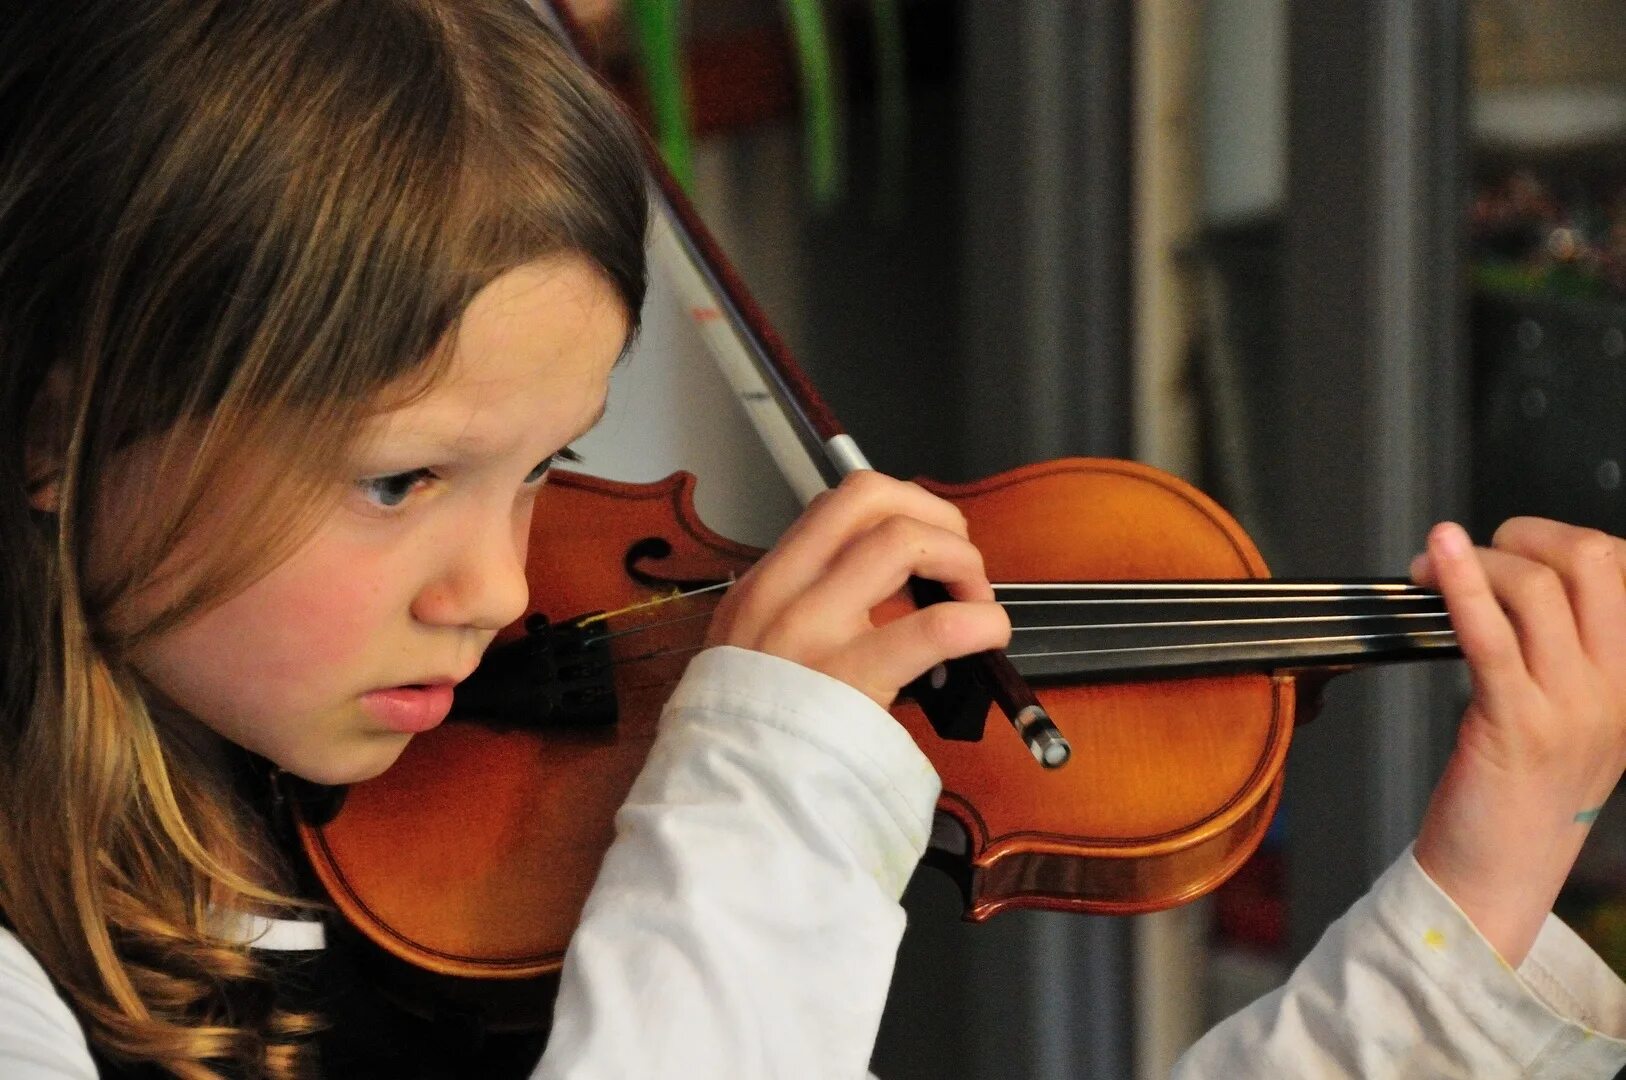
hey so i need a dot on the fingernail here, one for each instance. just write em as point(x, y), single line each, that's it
point(1451, 540)
point(1419, 564)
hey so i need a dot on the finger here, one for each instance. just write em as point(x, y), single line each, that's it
point(1483, 631)
point(870, 569)
point(1533, 596)
point(890, 657)
point(832, 521)
point(1590, 564)
point(1422, 570)
point(863, 495)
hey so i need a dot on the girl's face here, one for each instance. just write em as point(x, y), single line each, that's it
point(329, 663)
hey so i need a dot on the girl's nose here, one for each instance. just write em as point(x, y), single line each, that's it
point(482, 583)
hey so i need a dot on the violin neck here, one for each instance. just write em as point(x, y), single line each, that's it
point(1111, 631)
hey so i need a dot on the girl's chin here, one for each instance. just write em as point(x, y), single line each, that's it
point(350, 765)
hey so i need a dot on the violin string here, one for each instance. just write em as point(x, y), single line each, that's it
point(1381, 590)
point(1274, 621)
point(1239, 585)
point(1442, 637)
point(1154, 600)
point(657, 654)
point(1419, 637)
point(1377, 591)
point(1149, 624)
point(656, 625)
point(653, 602)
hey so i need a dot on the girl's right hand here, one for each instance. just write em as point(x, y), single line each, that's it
point(1541, 618)
point(812, 598)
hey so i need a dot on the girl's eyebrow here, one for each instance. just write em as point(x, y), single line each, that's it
point(476, 445)
point(603, 407)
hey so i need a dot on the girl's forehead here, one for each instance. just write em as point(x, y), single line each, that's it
point(478, 430)
point(535, 348)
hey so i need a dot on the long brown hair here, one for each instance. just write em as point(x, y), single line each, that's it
point(225, 227)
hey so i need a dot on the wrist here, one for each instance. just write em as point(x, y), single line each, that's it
point(1502, 861)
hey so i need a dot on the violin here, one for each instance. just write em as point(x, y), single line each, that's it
point(1144, 617)
point(1146, 625)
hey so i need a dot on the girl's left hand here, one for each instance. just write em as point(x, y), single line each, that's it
point(1541, 619)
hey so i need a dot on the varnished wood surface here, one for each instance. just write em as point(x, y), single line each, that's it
point(473, 855)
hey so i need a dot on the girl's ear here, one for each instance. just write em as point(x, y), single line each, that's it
point(44, 493)
point(44, 443)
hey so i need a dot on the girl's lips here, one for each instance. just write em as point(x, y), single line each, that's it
point(409, 709)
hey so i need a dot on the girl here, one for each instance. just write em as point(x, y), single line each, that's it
point(298, 301)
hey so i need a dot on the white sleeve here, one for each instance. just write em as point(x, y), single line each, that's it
point(39, 1037)
point(1405, 986)
point(746, 919)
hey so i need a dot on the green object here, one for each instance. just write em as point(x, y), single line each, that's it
point(891, 101)
point(1524, 279)
point(656, 26)
point(822, 113)
point(1602, 925)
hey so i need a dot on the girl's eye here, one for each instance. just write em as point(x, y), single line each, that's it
point(391, 491)
point(538, 474)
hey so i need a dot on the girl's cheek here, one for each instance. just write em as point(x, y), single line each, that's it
point(335, 607)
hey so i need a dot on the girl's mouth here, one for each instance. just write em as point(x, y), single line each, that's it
point(410, 709)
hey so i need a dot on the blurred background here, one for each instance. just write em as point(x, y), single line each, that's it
point(1350, 267)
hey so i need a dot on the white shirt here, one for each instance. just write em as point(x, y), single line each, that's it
point(746, 921)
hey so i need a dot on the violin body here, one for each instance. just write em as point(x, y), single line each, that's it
point(473, 855)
